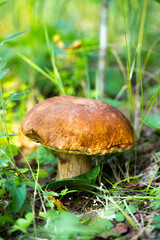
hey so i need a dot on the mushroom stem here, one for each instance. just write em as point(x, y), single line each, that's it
point(72, 165)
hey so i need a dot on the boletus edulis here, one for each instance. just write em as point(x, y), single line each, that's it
point(77, 128)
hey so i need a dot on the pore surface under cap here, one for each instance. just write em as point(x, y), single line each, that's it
point(80, 125)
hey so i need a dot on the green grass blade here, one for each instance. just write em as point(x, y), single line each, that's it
point(11, 37)
point(133, 224)
point(149, 52)
point(154, 174)
point(40, 70)
point(140, 40)
point(53, 61)
point(150, 103)
point(149, 106)
point(129, 85)
point(133, 64)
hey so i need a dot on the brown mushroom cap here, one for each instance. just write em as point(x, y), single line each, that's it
point(79, 125)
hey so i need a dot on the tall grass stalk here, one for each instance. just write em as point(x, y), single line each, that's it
point(40, 70)
point(152, 178)
point(144, 117)
point(149, 52)
point(139, 100)
point(139, 82)
point(128, 81)
point(147, 110)
point(132, 222)
point(53, 61)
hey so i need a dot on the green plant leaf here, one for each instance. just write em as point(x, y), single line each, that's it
point(155, 204)
point(43, 155)
point(157, 226)
point(29, 216)
point(88, 178)
point(104, 224)
point(11, 37)
point(18, 193)
point(42, 173)
point(3, 106)
point(153, 121)
point(66, 191)
point(50, 215)
point(5, 219)
point(13, 149)
point(3, 179)
point(157, 219)
point(130, 209)
point(120, 217)
point(23, 223)
point(2, 191)
point(16, 96)
point(3, 73)
point(113, 102)
point(3, 162)
point(51, 193)
point(109, 213)
point(10, 135)
point(122, 206)
point(23, 170)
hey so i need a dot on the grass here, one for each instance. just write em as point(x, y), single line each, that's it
point(118, 193)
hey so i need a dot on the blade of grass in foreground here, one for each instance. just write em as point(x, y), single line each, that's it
point(53, 61)
point(129, 85)
point(133, 224)
point(146, 112)
point(148, 109)
point(11, 37)
point(139, 83)
point(40, 70)
point(154, 174)
point(140, 40)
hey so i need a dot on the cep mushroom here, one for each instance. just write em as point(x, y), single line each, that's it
point(76, 128)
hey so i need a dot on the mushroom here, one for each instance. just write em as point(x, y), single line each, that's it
point(77, 128)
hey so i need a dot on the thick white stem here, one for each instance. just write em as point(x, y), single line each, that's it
point(72, 165)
